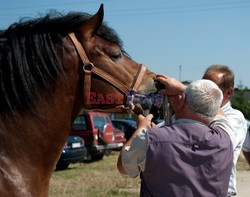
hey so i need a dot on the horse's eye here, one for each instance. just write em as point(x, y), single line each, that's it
point(116, 56)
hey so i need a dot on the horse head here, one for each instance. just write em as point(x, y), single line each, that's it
point(112, 80)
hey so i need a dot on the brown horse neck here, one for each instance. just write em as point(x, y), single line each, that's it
point(31, 143)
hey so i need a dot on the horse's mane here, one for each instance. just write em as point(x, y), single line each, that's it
point(29, 64)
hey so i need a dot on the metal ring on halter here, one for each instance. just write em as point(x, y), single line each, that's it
point(88, 67)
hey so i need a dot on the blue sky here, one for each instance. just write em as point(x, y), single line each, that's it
point(179, 38)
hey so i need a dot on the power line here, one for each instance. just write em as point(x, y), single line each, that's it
point(179, 11)
point(180, 6)
point(134, 9)
point(155, 10)
point(53, 5)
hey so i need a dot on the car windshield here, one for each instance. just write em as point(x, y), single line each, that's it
point(79, 123)
point(133, 124)
point(120, 124)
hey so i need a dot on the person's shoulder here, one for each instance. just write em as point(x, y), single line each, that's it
point(164, 132)
point(235, 114)
point(157, 130)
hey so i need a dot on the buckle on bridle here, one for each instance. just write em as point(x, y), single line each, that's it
point(88, 67)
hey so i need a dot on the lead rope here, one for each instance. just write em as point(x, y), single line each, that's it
point(167, 111)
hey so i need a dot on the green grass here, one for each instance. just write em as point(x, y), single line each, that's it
point(93, 179)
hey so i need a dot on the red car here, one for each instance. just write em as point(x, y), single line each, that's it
point(120, 138)
point(98, 133)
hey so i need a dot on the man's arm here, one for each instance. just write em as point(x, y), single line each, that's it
point(172, 85)
point(221, 121)
point(247, 156)
point(246, 147)
point(143, 124)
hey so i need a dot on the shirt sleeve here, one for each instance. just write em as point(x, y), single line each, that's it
point(246, 144)
point(223, 123)
point(134, 156)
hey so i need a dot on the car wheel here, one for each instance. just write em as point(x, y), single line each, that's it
point(97, 157)
point(62, 166)
point(108, 152)
point(106, 133)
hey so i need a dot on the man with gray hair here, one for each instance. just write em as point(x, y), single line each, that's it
point(203, 98)
point(193, 156)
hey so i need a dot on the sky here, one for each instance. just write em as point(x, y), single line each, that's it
point(179, 38)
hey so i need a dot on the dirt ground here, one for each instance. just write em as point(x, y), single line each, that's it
point(243, 183)
point(243, 178)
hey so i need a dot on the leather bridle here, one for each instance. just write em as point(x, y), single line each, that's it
point(89, 69)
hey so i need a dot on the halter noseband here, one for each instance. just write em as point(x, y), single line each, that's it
point(89, 68)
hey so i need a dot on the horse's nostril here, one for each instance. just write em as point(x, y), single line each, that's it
point(159, 86)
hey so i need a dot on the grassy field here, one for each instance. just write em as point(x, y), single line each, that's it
point(100, 179)
point(93, 179)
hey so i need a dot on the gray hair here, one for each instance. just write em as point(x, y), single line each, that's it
point(204, 98)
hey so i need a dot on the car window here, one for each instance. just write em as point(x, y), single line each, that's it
point(130, 124)
point(79, 123)
point(107, 120)
point(99, 121)
point(120, 125)
point(133, 124)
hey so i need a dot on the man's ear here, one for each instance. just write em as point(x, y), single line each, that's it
point(182, 100)
point(177, 101)
point(229, 93)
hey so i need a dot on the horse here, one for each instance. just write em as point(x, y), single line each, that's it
point(49, 66)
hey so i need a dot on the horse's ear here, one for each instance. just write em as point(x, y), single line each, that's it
point(91, 26)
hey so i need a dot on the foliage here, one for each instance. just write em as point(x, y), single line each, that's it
point(241, 102)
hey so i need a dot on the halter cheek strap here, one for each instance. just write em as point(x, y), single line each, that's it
point(89, 68)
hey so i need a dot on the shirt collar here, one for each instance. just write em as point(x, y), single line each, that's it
point(226, 107)
point(184, 120)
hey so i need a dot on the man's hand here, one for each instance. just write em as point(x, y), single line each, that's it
point(142, 123)
point(172, 85)
point(145, 122)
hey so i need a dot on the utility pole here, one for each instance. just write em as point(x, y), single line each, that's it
point(180, 67)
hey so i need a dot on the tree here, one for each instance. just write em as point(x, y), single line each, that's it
point(241, 102)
